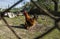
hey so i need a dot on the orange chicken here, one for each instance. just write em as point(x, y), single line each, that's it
point(29, 22)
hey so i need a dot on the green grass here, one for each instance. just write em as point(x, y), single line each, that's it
point(15, 21)
point(55, 34)
point(25, 34)
point(45, 20)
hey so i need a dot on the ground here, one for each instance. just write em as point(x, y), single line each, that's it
point(15, 23)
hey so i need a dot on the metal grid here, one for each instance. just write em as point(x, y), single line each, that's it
point(56, 19)
point(2, 17)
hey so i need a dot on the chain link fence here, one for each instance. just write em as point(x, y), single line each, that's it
point(56, 19)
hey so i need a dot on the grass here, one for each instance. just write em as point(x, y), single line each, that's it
point(55, 34)
point(45, 20)
point(5, 32)
point(15, 21)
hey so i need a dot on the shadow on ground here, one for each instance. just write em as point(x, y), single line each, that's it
point(22, 26)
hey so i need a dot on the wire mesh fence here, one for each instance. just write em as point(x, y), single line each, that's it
point(56, 19)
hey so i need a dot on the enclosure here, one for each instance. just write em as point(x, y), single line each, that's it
point(48, 20)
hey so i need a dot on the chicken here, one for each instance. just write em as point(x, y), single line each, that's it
point(28, 20)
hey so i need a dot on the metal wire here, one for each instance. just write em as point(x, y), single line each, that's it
point(56, 19)
point(2, 14)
